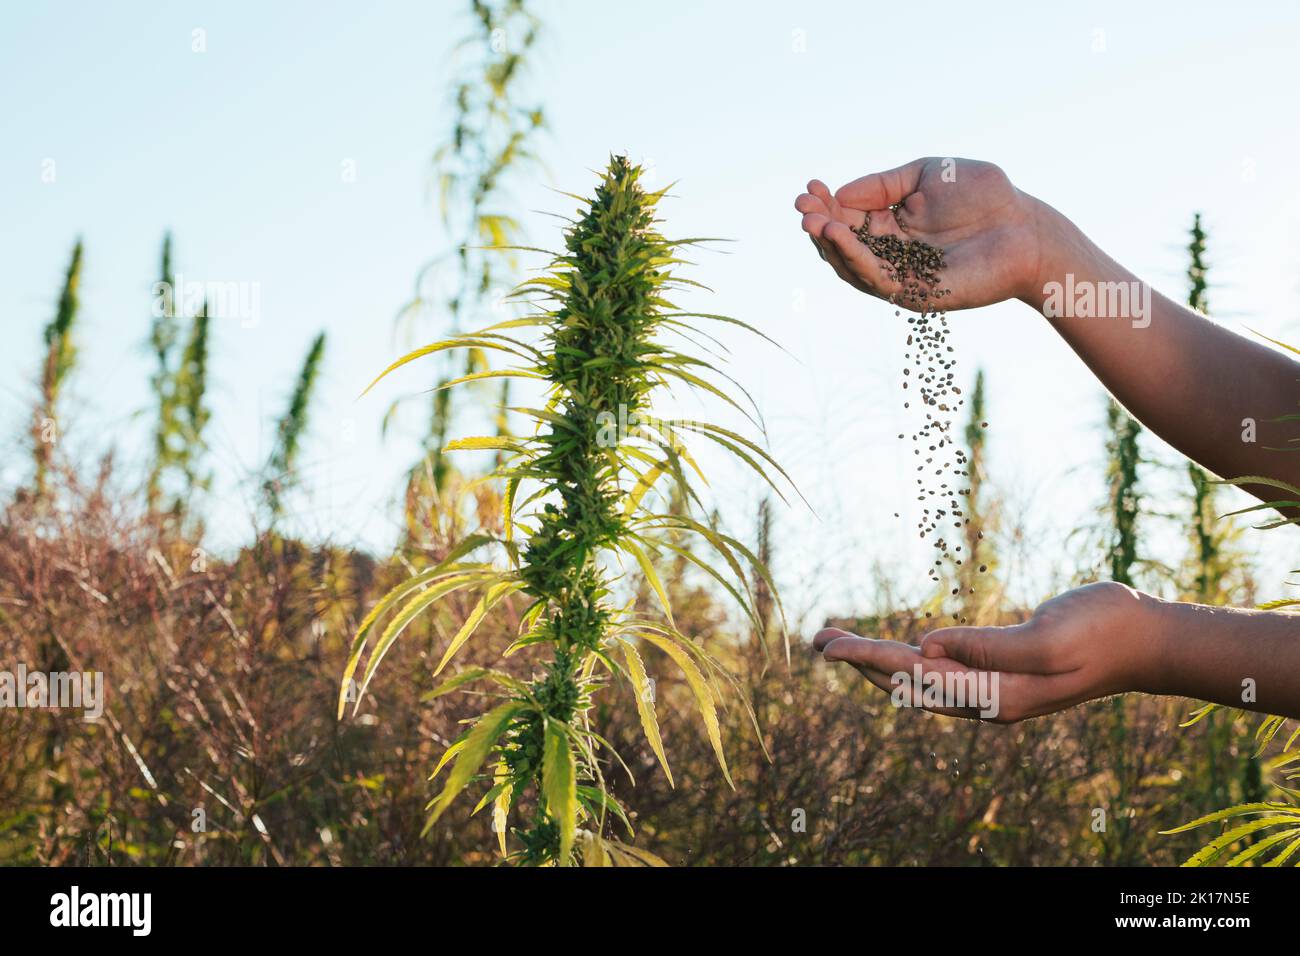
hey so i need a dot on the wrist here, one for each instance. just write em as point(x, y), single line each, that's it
point(1062, 249)
point(1150, 630)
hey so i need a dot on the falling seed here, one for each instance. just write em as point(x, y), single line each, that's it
point(915, 267)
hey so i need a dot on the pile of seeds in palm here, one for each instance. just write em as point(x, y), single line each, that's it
point(915, 265)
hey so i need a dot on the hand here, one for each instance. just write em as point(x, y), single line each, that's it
point(988, 229)
point(1096, 640)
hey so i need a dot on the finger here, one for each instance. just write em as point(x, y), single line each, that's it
point(870, 658)
point(828, 634)
point(1011, 648)
point(815, 225)
point(879, 655)
point(880, 190)
point(830, 211)
point(891, 666)
point(808, 203)
point(853, 218)
point(832, 255)
point(858, 260)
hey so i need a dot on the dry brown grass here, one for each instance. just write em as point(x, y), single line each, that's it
point(221, 687)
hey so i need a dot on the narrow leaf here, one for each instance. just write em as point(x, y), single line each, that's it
point(560, 785)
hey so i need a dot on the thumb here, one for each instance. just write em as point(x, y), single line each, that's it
point(881, 190)
point(1009, 648)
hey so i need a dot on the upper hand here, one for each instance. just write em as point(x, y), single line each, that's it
point(988, 229)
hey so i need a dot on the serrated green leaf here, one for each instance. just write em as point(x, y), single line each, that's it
point(478, 744)
point(1270, 841)
point(409, 612)
point(645, 707)
point(651, 576)
point(487, 443)
point(559, 785)
point(474, 674)
point(1241, 809)
point(703, 694)
point(1216, 847)
point(486, 603)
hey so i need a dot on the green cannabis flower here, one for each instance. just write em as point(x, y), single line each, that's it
point(577, 500)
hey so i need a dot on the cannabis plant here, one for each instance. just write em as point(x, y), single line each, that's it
point(579, 506)
point(1210, 536)
point(60, 355)
point(1123, 457)
point(192, 409)
point(179, 384)
point(980, 510)
point(489, 144)
point(289, 432)
point(162, 342)
point(1209, 576)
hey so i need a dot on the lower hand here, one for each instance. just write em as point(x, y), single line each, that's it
point(1091, 642)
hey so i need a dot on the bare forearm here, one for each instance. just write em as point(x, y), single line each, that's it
point(1190, 381)
point(1230, 656)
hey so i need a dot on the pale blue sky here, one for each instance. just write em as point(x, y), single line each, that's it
point(238, 151)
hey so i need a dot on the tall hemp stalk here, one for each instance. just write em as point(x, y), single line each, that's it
point(1210, 558)
point(979, 511)
point(489, 145)
point(577, 503)
point(1203, 510)
point(1210, 536)
point(192, 411)
point(1125, 504)
point(763, 598)
point(162, 342)
point(180, 384)
point(289, 432)
point(60, 356)
point(1125, 498)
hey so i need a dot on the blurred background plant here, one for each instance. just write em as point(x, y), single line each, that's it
point(490, 144)
point(60, 356)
